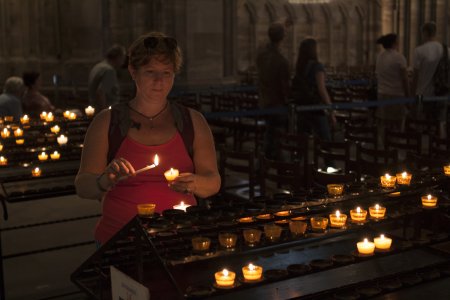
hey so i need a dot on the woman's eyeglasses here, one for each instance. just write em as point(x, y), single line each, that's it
point(152, 42)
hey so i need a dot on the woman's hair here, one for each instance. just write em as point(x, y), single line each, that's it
point(13, 85)
point(29, 78)
point(155, 45)
point(387, 40)
point(306, 52)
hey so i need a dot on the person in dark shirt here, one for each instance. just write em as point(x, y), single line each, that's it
point(33, 101)
point(10, 103)
point(273, 84)
point(308, 88)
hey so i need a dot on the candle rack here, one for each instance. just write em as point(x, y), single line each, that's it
point(158, 252)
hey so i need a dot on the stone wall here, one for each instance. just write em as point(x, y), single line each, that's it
point(219, 38)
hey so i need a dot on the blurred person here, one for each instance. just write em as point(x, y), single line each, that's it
point(33, 101)
point(127, 136)
point(426, 59)
point(273, 85)
point(392, 79)
point(103, 88)
point(308, 88)
point(10, 100)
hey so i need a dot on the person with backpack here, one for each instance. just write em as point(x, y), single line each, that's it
point(126, 138)
point(430, 78)
point(308, 88)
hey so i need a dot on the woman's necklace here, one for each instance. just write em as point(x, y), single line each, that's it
point(138, 125)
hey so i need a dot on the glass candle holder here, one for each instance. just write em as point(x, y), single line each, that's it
point(3, 161)
point(358, 214)
point(18, 132)
point(225, 278)
point(43, 156)
point(264, 217)
point(382, 242)
point(43, 115)
point(55, 129)
point(297, 228)
point(25, 120)
point(335, 190)
point(227, 240)
point(272, 232)
point(403, 178)
point(89, 111)
point(338, 220)
point(55, 155)
point(5, 133)
point(252, 236)
point(9, 118)
point(146, 210)
point(252, 272)
point(200, 243)
point(365, 247)
point(377, 211)
point(20, 141)
point(447, 170)
point(171, 174)
point(283, 213)
point(319, 223)
point(66, 114)
point(49, 117)
point(72, 116)
point(1, 147)
point(388, 181)
point(36, 172)
point(429, 201)
point(246, 220)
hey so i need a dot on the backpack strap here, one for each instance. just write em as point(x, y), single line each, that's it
point(121, 122)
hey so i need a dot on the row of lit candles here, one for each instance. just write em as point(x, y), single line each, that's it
point(49, 117)
point(62, 139)
point(226, 278)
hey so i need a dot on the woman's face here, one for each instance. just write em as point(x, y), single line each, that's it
point(154, 80)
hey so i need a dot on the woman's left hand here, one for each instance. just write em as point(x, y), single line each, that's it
point(184, 183)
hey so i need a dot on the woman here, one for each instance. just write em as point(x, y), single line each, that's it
point(33, 101)
point(152, 129)
point(392, 81)
point(308, 88)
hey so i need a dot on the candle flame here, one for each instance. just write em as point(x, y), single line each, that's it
point(404, 174)
point(358, 209)
point(36, 169)
point(377, 207)
point(365, 241)
point(382, 236)
point(225, 272)
point(338, 213)
point(182, 203)
point(429, 197)
point(56, 152)
point(156, 160)
point(251, 267)
point(5, 130)
point(387, 176)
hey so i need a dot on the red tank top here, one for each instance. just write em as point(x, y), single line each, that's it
point(120, 204)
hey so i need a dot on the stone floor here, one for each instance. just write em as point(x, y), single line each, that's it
point(46, 275)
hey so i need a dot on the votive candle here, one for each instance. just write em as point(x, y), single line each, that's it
point(429, 201)
point(3, 161)
point(337, 220)
point(358, 214)
point(388, 181)
point(404, 178)
point(18, 132)
point(5, 133)
point(225, 278)
point(382, 242)
point(365, 247)
point(43, 156)
point(36, 172)
point(171, 174)
point(55, 155)
point(252, 272)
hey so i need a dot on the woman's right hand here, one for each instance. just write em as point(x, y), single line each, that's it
point(119, 168)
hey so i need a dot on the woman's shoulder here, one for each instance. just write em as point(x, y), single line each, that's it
point(102, 119)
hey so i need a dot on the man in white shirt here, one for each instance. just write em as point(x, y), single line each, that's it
point(425, 61)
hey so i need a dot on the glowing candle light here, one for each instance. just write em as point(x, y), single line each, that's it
point(43, 156)
point(25, 119)
point(382, 242)
point(36, 172)
point(404, 178)
point(181, 206)
point(377, 211)
point(3, 161)
point(18, 132)
point(5, 133)
point(50, 117)
point(358, 215)
point(55, 155)
point(171, 174)
point(337, 219)
point(225, 278)
point(43, 115)
point(365, 247)
point(66, 114)
point(252, 272)
point(89, 111)
point(55, 129)
point(429, 201)
point(1, 147)
point(72, 116)
point(153, 165)
point(388, 181)
point(62, 140)
point(20, 141)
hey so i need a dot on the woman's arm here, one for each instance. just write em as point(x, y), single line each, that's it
point(206, 180)
point(320, 80)
point(94, 177)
